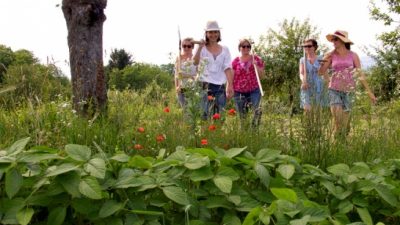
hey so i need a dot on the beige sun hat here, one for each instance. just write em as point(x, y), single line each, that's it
point(341, 34)
point(212, 25)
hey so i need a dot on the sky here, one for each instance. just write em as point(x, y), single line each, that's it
point(149, 29)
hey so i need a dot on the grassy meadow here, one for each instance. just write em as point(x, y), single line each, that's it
point(143, 123)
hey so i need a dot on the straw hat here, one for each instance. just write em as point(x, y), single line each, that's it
point(212, 25)
point(341, 34)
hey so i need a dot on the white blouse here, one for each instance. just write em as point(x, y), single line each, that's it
point(212, 69)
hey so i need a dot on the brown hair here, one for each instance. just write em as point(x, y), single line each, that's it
point(313, 41)
point(242, 41)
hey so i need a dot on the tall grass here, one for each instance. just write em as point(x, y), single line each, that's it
point(374, 133)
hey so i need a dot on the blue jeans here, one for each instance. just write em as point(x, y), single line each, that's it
point(217, 104)
point(245, 101)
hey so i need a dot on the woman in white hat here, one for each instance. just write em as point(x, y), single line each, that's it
point(215, 70)
point(346, 67)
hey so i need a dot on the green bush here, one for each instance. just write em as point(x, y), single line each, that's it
point(34, 83)
point(78, 185)
point(138, 76)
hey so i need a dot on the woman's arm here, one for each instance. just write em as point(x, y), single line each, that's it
point(361, 76)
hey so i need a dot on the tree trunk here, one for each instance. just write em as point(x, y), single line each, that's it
point(85, 20)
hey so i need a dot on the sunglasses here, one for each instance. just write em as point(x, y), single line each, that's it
point(187, 46)
point(335, 39)
point(307, 46)
point(246, 46)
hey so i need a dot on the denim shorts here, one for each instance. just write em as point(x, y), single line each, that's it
point(341, 98)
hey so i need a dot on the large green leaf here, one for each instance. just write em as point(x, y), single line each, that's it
point(286, 170)
point(252, 216)
point(38, 157)
point(121, 157)
point(109, 208)
point(231, 219)
point(267, 155)
point(217, 202)
point(13, 181)
point(90, 187)
point(204, 173)
point(63, 168)
point(234, 152)
point(365, 216)
point(302, 221)
point(387, 195)
point(228, 172)
point(263, 174)
point(337, 191)
point(17, 147)
point(70, 181)
point(224, 183)
point(360, 169)
point(285, 194)
point(316, 212)
point(141, 162)
point(24, 215)
point(203, 151)
point(57, 216)
point(10, 208)
point(196, 161)
point(78, 152)
point(96, 167)
point(176, 194)
point(339, 169)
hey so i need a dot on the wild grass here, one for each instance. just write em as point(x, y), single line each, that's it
point(374, 133)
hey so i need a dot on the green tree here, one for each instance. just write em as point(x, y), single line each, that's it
point(7, 56)
point(386, 72)
point(24, 56)
point(119, 59)
point(281, 50)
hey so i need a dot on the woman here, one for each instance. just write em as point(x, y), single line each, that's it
point(185, 70)
point(346, 67)
point(214, 62)
point(312, 85)
point(245, 85)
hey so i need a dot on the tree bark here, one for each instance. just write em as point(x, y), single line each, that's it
point(85, 20)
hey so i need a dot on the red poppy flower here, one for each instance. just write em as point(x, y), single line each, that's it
point(160, 138)
point(166, 109)
point(204, 142)
point(210, 98)
point(216, 116)
point(232, 112)
point(212, 127)
point(138, 146)
point(140, 130)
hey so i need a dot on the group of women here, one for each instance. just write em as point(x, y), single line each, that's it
point(222, 78)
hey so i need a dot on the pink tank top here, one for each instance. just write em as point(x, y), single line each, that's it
point(342, 76)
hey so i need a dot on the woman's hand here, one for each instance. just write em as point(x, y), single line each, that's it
point(304, 85)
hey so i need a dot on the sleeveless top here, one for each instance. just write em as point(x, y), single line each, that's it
point(342, 77)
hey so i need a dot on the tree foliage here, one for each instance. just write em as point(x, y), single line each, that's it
point(281, 50)
point(119, 59)
point(138, 76)
point(386, 72)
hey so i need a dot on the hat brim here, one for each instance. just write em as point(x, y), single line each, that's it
point(329, 37)
point(213, 29)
